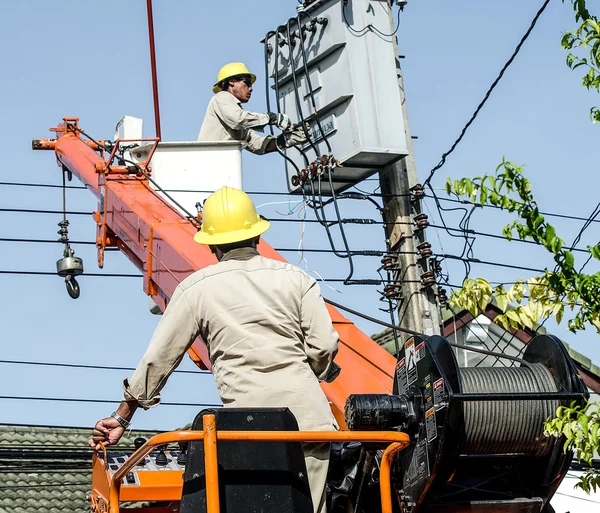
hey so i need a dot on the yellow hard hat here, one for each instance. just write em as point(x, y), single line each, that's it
point(229, 216)
point(231, 70)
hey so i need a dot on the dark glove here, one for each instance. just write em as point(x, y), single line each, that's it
point(333, 372)
point(281, 121)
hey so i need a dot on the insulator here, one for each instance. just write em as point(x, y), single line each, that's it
point(428, 279)
point(443, 296)
point(314, 170)
point(389, 262)
point(324, 160)
point(371, 412)
point(501, 427)
point(63, 231)
point(417, 193)
point(393, 292)
point(295, 180)
point(421, 221)
point(424, 250)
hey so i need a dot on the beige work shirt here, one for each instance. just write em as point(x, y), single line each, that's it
point(226, 120)
point(269, 336)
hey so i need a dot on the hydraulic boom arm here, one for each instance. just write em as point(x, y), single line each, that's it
point(159, 241)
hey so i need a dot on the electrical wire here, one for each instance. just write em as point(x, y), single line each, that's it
point(488, 93)
point(370, 27)
point(547, 214)
point(50, 273)
point(83, 428)
point(106, 401)
point(94, 367)
point(275, 220)
point(362, 281)
point(586, 225)
point(501, 237)
point(496, 264)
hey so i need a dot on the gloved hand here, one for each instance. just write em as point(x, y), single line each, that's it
point(295, 136)
point(281, 121)
point(333, 372)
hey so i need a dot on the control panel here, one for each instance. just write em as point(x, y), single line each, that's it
point(158, 477)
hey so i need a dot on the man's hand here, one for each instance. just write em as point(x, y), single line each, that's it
point(108, 431)
point(281, 121)
point(295, 136)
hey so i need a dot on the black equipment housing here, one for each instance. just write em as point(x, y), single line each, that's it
point(254, 477)
point(435, 473)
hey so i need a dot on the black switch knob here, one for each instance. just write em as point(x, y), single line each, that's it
point(161, 458)
point(182, 457)
point(130, 477)
point(138, 442)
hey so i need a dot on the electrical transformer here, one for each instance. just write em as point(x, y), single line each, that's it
point(334, 67)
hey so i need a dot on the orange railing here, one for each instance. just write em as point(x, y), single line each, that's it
point(397, 441)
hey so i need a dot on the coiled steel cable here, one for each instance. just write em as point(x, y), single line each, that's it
point(506, 427)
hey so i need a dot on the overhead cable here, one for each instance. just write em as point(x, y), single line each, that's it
point(95, 367)
point(547, 214)
point(488, 93)
point(365, 221)
point(109, 401)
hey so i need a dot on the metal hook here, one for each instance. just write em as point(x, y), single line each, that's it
point(72, 286)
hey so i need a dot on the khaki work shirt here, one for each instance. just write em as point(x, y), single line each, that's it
point(226, 120)
point(268, 332)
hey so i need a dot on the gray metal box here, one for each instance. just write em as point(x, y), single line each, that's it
point(351, 65)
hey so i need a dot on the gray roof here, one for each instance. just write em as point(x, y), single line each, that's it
point(48, 469)
point(385, 339)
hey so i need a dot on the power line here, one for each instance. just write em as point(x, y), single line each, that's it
point(105, 401)
point(83, 428)
point(489, 92)
point(493, 236)
point(497, 264)
point(361, 281)
point(358, 252)
point(53, 273)
point(364, 221)
point(95, 367)
point(78, 187)
point(548, 214)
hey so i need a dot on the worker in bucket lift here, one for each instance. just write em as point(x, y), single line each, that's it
point(226, 120)
point(269, 335)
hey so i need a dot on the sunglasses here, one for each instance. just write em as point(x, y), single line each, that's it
point(246, 80)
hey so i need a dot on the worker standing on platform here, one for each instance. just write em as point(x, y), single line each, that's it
point(268, 333)
point(226, 120)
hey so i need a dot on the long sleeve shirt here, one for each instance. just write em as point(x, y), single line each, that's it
point(226, 120)
point(268, 332)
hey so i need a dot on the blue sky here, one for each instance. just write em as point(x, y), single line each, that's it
point(90, 60)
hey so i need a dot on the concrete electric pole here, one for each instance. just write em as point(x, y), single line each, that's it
point(413, 281)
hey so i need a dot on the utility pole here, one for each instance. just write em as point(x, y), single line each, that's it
point(413, 284)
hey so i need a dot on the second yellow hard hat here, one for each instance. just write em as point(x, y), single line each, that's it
point(231, 70)
point(229, 216)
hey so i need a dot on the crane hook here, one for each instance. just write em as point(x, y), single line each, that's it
point(72, 286)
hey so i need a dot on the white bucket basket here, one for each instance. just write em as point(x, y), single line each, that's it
point(196, 170)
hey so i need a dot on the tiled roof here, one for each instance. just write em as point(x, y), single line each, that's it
point(47, 469)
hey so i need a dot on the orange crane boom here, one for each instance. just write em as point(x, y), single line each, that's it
point(159, 241)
